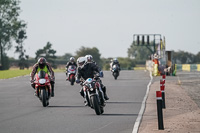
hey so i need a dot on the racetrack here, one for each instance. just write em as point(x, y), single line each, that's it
point(22, 112)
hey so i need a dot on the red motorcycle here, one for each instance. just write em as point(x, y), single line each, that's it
point(43, 87)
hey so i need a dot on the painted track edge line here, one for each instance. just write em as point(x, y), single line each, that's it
point(143, 106)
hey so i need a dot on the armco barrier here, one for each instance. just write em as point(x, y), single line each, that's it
point(198, 67)
point(187, 67)
point(178, 67)
point(193, 67)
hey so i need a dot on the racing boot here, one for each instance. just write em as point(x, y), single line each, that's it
point(35, 93)
point(85, 102)
point(104, 91)
point(106, 97)
point(82, 92)
point(52, 93)
point(67, 78)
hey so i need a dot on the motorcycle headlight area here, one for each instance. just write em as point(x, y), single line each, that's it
point(92, 86)
point(42, 81)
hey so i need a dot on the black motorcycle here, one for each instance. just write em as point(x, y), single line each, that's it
point(115, 71)
point(94, 94)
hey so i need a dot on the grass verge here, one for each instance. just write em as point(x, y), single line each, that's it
point(16, 72)
point(13, 73)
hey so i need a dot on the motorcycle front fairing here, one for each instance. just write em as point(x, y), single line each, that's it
point(93, 88)
point(71, 69)
point(115, 68)
point(42, 80)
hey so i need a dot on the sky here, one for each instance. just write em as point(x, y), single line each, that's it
point(108, 25)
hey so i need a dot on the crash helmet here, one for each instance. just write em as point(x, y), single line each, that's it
point(72, 59)
point(81, 61)
point(115, 60)
point(89, 58)
point(42, 62)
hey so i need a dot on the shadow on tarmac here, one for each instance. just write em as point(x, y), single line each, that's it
point(120, 114)
point(66, 106)
point(123, 102)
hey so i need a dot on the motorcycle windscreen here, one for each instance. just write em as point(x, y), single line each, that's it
point(115, 67)
point(72, 68)
point(41, 74)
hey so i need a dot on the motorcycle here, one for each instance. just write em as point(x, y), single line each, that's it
point(94, 95)
point(43, 87)
point(115, 71)
point(71, 72)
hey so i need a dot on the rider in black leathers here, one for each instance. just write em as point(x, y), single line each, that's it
point(87, 70)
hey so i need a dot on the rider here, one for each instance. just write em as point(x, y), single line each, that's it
point(71, 62)
point(43, 65)
point(85, 71)
point(90, 60)
point(115, 61)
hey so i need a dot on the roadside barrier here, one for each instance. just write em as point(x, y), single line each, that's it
point(163, 77)
point(159, 110)
point(162, 89)
point(187, 67)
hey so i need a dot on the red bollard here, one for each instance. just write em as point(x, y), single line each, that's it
point(162, 83)
point(159, 110)
point(164, 77)
point(162, 89)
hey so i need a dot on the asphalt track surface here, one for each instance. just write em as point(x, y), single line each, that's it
point(22, 112)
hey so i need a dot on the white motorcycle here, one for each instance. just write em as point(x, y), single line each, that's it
point(71, 72)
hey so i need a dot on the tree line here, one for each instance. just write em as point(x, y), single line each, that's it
point(13, 31)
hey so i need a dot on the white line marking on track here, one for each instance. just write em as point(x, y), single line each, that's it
point(139, 118)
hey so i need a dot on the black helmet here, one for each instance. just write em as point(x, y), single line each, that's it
point(42, 62)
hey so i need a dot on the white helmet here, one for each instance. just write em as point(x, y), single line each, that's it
point(72, 59)
point(89, 58)
point(81, 61)
point(115, 60)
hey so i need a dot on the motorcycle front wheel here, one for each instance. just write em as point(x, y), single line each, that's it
point(115, 75)
point(72, 79)
point(96, 105)
point(44, 98)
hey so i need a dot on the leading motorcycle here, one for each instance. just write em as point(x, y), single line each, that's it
point(43, 87)
point(71, 72)
point(94, 95)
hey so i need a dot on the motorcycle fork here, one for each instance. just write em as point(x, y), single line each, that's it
point(38, 90)
point(47, 91)
point(101, 91)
